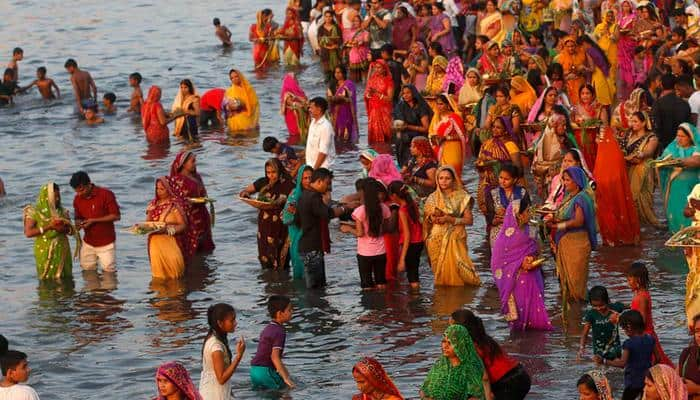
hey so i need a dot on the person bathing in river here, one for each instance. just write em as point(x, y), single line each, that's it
point(91, 116)
point(136, 95)
point(84, 87)
point(108, 106)
point(223, 33)
point(45, 85)
point(267, 369)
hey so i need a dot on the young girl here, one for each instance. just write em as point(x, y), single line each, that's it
point(371, 252)
point(638, 280)
point(688, 364)
point(637, 354)
point(606, 336)
point(593, 385)
point(410, 232)
point(217, 366)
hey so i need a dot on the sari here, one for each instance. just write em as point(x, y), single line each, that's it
point(625, 51)
point(198, 217)
point(450, 130)
point(522, 94)
point(330, 58)
point(623, 112)
point(447, 382)
point(433, 84)
point(187, 124)
point(601, 384)
point(490, 22)
point(272, 232)
point(454, 76)
point(379, 102)
point(574, 245)
point(357, 56)
point(549, 153)
point(603, 34)
point(494, 152)
point(471, 94)
point(692, 281)
point(586, 135)
point(497, 201)
point(265, 50)
point(489, 66)
point(446, 41)
point(343, 113)
point(641, 179)
point(168, 253)
point(530, 16)
point(557, 189)
point(446, 244)
point(617, 216)
point(293, 37)
point(294, 230)
point(155, 132)
point(410, 115)
point(570, 62)
point(377, 378)
point(247, 117)
point(177, 374)
point(677, 182)
point(668, 383)
point(521, 292)
point(293, 107)
point(51, 248)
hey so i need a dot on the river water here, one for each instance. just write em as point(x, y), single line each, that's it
point(99, 337)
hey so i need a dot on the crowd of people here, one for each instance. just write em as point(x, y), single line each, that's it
point(569, 110)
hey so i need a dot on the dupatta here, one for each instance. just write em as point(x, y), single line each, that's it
point(246, 95)
point(293, 230)
point(454, 75)
point(376, 376)
point(583, 199)
point(177, 374)
point(471, 94)
point(668, 384)
point(522, 94)
point(155, 211)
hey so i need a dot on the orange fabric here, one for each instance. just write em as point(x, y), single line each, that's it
point(379, 102)
point(155, 132)
point(569, 63)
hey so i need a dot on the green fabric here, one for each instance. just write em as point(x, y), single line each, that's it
point(265, 377)
point(51, 249)
point(445, 382)
point(293, 229)
point(605, 334)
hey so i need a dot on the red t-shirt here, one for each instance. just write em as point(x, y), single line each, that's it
point(211, 99)
point(416, 234)
point(100, 203)
point(498, 367)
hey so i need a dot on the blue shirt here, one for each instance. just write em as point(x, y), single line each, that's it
point(640, 350)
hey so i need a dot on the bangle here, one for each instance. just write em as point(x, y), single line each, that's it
point(561, 226)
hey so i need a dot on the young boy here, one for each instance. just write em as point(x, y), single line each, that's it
point(17, 56)
point(267, 369)
point(108, 101)
point(223, 33)
point(15, 370)
point(284, 153)
point(91, 117)
point(137, 94)
point(45, 85)
point(8, 87)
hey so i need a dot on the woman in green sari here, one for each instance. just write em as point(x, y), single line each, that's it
point(49, 223)
point(677, 181)
point(294, 231)
point(458, 373)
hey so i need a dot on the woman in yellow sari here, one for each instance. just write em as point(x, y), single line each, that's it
point(241, 104)
point(436, 77)
point(522, 94)
point(692, 256)
point(166, 248)
point(576, 64)
point(448, 135)
point(606, 34)
point(447, 212)
point(491, 22)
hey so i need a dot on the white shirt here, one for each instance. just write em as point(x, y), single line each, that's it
point(693, 9)
point(451, 10)
point(320, 140)
point(694, 103)
point(209, 386)
point(18, 392)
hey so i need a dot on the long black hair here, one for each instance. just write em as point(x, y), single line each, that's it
point(490, 348)
point(399, 189)
point(373, 208)
point(216, 313)
point(639, 271)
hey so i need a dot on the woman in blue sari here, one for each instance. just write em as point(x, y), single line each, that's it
point(678, 181)
point(294, 231)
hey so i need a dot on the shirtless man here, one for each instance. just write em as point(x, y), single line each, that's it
point(83, 85)
point(137, 95)
point(223, 33)
point(45, 85)
point(17, 56)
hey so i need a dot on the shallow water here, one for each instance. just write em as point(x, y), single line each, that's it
point(100, 337)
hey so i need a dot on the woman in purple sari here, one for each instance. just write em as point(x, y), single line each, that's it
point(441, 29)
point(342, 97)
point(625, 49)
point(520, 283)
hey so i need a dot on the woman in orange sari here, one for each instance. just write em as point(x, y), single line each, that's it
point(378, 94)
point(265, 51)
point(153, 118)
point(576, 65)
point(448, 134)
point(293, 37)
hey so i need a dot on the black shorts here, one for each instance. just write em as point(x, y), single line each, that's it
point(412, 261)
point(372, 270)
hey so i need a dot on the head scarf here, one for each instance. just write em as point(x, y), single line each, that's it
point(246, 94)
point(471, 94)
point(583, 200)
point(522, 94)
point(668, 384)
point(290, 85)
point(150, 107)
point(601, 384)
point(403, 109)
point(179, 101)
point(155, 212)
point(539, 61)
point(260, 24)
point(177, 374)
point(179, 161)
point(447, 205)
point(454, 74)
point(677, 151)
point(422, 145)
point(538, 107)
point(293, 198)
point(379, 82)
point(463, 381)
point(440, 61)
point(384, 170)
point(376, 376)
point(369, 154)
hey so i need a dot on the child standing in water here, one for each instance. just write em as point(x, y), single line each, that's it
point(17, 56)
point(15, 371)
point(137, 95)
point(638, 280)
point(217, 365)
point(223, 33)
point(597, 319)
point(91, 117)
point(267, 370)
point(108, 101)
point(45, 85)
point(410, 232)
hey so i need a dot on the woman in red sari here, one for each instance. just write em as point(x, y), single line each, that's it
point(617, 216)
point(587, 118)
point(378, 95)
point(373, 382)
point(265, 51)
point(153, 118)
point(187, 183)
point(293, 37)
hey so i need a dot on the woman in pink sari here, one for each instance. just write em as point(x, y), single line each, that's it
point(384, 170)
point(172, 379)
point(359, 50)
point(625, 49)
point(343, 107)
point(293, 107)
point(378, 99)
point(153, 118)
point(187, 183)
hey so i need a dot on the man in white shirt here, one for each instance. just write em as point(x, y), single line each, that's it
point(320, 144)
point(694, 100)
point(15, 370)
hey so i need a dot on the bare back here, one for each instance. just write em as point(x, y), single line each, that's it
point(82, 82)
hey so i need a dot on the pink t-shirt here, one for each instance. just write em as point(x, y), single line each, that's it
point(368, 245)
point(416, 234)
